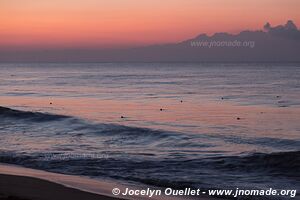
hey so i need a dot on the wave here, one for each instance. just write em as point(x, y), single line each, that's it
point(73, 126)
point(154, 157)
point(277, 162)
point(128, 135)
point(28, 115)
point(177, 173)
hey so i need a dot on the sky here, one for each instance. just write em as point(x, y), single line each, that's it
point(34, 24)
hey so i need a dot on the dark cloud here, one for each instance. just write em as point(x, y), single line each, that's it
point(289, 30)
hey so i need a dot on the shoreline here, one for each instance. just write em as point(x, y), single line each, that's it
point(20, 183)
point(84, 184)
point(25, 183)
point(14, 187)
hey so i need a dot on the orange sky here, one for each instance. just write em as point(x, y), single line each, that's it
point(107, 23)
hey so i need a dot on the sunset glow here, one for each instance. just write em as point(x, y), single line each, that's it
point(96, 23)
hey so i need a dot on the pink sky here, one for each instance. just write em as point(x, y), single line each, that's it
point(99, 23)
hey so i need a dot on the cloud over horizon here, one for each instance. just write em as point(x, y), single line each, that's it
point(289, 30)
point(273, 44)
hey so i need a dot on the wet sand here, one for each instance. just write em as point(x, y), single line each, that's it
point(28, 188)
point(23, 183)
point(20, 183)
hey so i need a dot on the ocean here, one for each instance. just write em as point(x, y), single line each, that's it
point(198, 125)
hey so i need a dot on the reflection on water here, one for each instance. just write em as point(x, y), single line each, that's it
point(161, 124)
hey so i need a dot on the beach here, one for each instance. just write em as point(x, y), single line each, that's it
point(19, 183)
point(23, 183)
point(29, 188)
point(14, 187)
